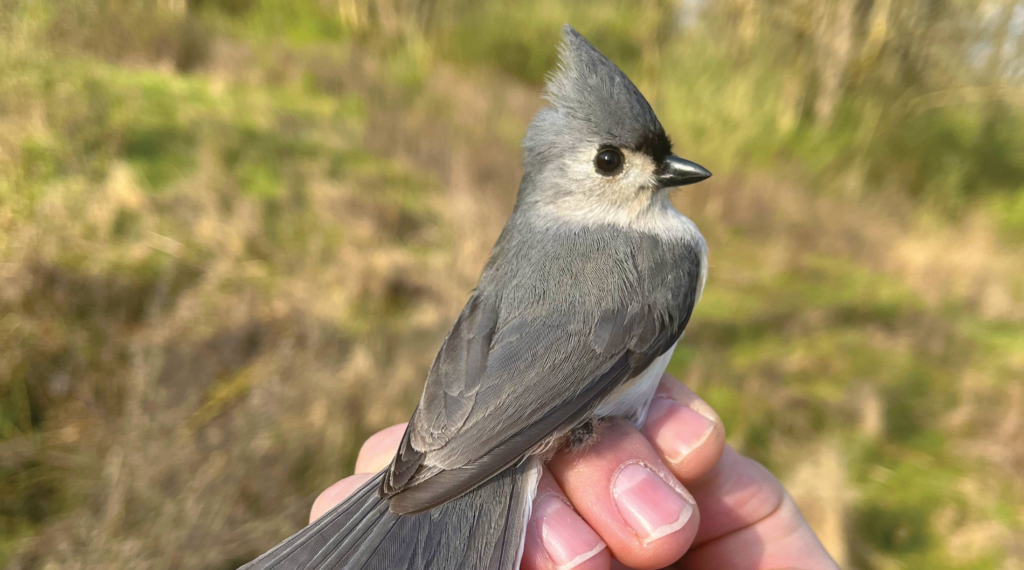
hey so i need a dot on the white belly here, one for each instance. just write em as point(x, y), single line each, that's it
point(631, 400)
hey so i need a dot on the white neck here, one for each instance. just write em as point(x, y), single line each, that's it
point(655, 216)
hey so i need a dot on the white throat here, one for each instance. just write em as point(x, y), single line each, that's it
point(656, 216)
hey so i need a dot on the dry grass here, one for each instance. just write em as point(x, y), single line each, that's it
point(195, 342)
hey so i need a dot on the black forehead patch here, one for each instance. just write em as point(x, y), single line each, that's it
point(655, 144)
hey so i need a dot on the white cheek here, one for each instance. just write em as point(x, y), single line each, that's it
point(638, 173)
point(629, 199)
point(627, 186)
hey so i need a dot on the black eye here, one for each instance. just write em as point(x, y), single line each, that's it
point(609, 161)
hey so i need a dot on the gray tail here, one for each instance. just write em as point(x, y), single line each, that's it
point(482, 529)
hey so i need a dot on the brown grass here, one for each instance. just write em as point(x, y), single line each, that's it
point(207, 364)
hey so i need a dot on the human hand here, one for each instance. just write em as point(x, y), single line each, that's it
point(670, 495)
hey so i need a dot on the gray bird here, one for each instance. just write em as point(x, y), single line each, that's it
point(576, 315)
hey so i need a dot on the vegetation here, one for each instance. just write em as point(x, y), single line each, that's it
point(234, 232)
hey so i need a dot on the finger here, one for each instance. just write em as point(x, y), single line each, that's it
point(379, 449)
point(781, 540)
point(625, 493)
point(374, 455)
point(686, 432)
point(749, 522)
point(557, 538)
point(337, 493)
point(737, 493)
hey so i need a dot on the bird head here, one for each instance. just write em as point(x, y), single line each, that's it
point(598, 147)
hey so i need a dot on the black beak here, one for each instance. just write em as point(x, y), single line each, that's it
point(677, 171)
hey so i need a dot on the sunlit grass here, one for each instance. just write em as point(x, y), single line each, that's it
point(222, 269)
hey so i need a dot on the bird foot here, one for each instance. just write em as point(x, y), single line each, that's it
point(584, 435)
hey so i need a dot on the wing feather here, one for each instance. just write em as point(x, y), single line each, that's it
point(504, 384)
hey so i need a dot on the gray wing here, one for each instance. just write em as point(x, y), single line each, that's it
point(496, 392)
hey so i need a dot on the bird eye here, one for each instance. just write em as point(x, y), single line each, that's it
point(609, 161)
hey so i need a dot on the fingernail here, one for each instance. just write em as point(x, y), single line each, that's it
point(677, 429)
point(567, 539)
point(649, 505)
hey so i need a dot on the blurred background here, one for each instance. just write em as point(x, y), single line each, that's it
point(233, 234)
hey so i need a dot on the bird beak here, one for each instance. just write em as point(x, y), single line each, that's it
point(677, 171)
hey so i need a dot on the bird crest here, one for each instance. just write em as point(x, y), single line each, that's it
point(589, 95)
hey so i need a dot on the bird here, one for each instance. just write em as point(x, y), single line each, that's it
point(587, 291)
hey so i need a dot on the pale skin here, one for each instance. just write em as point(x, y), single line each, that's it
point(671, 495)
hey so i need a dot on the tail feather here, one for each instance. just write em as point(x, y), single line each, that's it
point(481, 530)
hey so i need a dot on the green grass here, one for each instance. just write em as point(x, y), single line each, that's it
point(272, 251)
